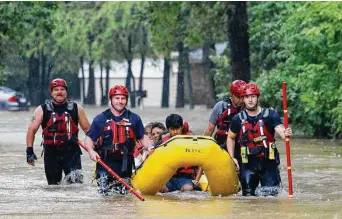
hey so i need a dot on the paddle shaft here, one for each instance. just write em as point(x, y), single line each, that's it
point(115, 175)
point(287, 140)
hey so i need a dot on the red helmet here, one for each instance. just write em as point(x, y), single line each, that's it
point(58, 82)
point(237, 87)
point(118, 90)
point(250, 89)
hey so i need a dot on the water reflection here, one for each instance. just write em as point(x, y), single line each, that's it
point(185, 205)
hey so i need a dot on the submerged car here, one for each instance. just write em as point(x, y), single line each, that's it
point(12, 100)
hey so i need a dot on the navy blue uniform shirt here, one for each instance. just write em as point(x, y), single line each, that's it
point(99, 123)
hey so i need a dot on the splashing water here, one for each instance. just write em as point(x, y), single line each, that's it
point(75, 176)
point(267, 191)
point(108, 186)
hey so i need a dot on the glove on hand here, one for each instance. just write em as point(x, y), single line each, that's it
point(30, 156)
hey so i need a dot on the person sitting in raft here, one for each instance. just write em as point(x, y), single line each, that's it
point(148, 129)
point(157, 131)
point(187, 177)
point(139, 154)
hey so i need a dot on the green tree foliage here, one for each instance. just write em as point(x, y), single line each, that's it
point(26, 36)
point(296, 42)
point(309, 60)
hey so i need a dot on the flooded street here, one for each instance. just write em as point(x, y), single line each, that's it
point(316, 169)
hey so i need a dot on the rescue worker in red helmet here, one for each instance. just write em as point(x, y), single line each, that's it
point(59, 119)
point(256, 127)
point(222, 114)
point(112, 137)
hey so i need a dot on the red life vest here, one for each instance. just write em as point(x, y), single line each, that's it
point(185, 131)
point(117, 135)
point(137, 149)
point(188, 170)
point(223, 122)
point(258, 136)
point(60, 127)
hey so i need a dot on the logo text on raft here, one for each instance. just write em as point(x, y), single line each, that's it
point(193, 150)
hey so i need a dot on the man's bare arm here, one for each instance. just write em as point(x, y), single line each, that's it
point(82, 119)
point(231, 143)
point(33, 127)
point(209, 130)
point(231, 147)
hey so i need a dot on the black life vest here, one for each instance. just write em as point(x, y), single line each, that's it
point(255, 137)
point(60, 127)
point(224, 120)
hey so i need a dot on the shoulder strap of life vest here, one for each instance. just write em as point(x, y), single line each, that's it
point(265, 113)
point(49, 105)
point(70, 105)
point(243, 115)
point(229, 104)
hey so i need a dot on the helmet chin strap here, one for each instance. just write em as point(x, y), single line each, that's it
point(252, 108)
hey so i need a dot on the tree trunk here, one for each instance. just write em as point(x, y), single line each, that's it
point(42, 87)
point(180, 78)
point(49, 71)
point(83, 79)
point(91, 79)
point(107, 79)
point(90, 99)
point(166, 83)
point(141, 77)
point(130, 76)
point(33, 80)
point(207, 66)
point(101, 84)
point(188, 74)
point(238, 40)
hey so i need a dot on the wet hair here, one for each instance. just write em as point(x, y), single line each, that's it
point(158, 125)
point(174, 121)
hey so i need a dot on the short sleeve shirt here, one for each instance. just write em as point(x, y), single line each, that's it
point(272, 121)
point(99, 123)
point(217, 111)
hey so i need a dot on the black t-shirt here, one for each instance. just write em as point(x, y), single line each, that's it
point(271, 121)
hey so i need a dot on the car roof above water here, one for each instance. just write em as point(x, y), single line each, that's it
point(6, 89)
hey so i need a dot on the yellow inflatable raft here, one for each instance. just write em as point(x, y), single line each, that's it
point(182, 150)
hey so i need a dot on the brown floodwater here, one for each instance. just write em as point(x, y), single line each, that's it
point(24, 193)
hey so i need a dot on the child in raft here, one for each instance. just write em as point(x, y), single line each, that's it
point(186, 178)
